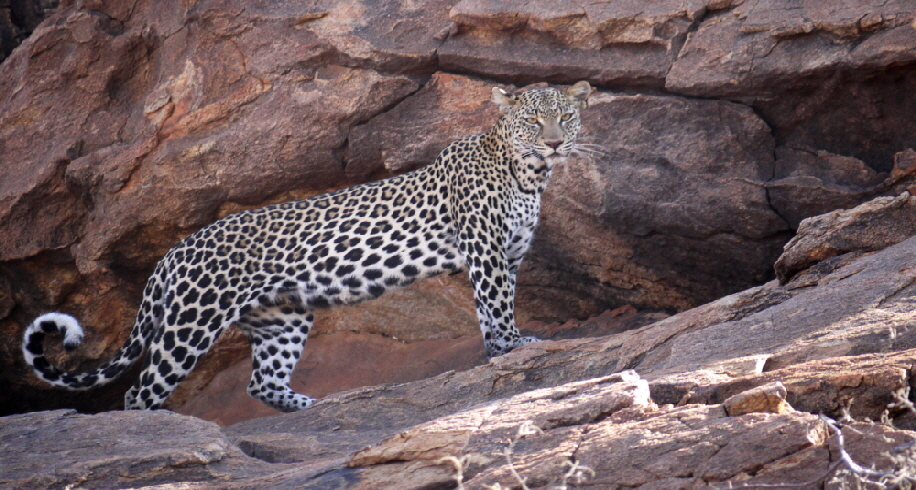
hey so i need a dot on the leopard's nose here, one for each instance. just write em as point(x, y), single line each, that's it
point(554, 143)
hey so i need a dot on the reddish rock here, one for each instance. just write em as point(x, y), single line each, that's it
point(610, 322)
point(666, 217)
point(566, 41)
point(413, 133)
point(172, 126)
point(127, 125)
point(864, 386)
point(18, 18)
point(831, 77)
point(334, 363)
point(112, 450)
point(632, 217)
point(758, 46)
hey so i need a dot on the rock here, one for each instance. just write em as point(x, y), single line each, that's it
point(645, 194)
point(18, 18)
point(803, 325)
point(610, 322)
point(389, 37)
point(859, 384)
point(413, 133)
point(564, 411)
point(566, 41)
point(862, 386)
point(111, 450)
point(760, 45)
point(825, 78)
point(333, 363)
point(809, 184)
point(769, 398)
point(182, 130)
point(872, 226)
point(327, 366)
point(721, 128)
point(683, 446)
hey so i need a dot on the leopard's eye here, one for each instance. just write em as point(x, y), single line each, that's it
point(565, 117)
point(532, 120)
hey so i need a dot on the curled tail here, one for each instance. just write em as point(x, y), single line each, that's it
point(33, 351)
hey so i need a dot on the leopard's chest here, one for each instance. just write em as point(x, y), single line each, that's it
point(522, 220)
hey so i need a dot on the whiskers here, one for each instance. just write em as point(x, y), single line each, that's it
point(532, 153)
point(595, 151)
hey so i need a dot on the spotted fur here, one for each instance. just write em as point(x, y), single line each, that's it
point(266, 270)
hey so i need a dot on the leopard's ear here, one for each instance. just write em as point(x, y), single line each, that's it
point(505, 101)
point(578, 94)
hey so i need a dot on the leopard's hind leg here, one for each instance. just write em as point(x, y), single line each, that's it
point(186, 334)
point(277, 334)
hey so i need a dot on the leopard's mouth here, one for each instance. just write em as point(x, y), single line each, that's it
point(554, 155)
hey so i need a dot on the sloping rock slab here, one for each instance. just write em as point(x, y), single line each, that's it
point(866, 228)
point(865, 306)
point(114, 450)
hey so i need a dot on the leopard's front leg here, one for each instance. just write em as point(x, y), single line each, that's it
point(493, 280)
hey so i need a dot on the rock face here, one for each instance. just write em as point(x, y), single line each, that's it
point(718, 127)
point(18, 18)
point(651, 408)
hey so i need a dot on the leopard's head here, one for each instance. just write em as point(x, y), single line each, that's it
point(543, 123)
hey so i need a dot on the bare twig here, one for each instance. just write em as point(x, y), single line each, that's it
point(459, 464)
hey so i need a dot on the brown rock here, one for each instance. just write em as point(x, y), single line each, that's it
point(861, 386)
point(639, 228)
point(18, 18)
point(872, 226)
point(333, 363)
point(760, 45)
point(904, 164)
point(566, 41)
point(112, 450)
point(852, 311)
point(808, 184)
point(855, 310)
point(328, 365)
point(155, 118)
point(172, 126)
point(769, 398)
point(825, 78)
point(666, 217)
point(610, 322)
point(413, 133)
point(533, 411)
point(390, 37)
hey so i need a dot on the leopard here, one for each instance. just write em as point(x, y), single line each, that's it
point(267, 270)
